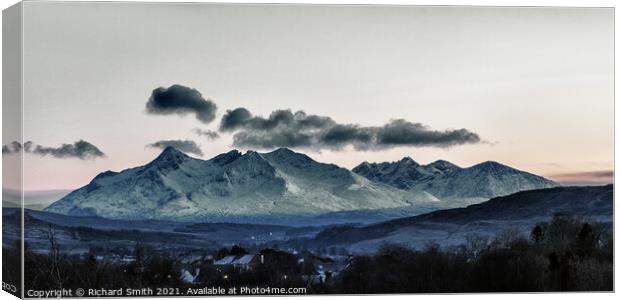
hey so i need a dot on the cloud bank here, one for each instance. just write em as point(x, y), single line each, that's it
point(187, 146)
point(80, 149)
point(283, 128)
point(181, 100)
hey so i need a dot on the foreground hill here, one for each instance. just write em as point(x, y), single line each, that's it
point(519, 211)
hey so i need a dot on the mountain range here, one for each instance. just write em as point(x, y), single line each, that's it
point(446, 180)
point(260, 187)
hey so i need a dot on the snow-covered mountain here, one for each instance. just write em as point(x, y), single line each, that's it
point(284, 186)
point(231, 186)
point(448, 181)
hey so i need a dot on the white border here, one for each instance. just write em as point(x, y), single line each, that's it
point(565, 3)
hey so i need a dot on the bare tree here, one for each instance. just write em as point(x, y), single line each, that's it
point(54, 271)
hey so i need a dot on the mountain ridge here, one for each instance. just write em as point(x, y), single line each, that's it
point(444, 179)
point(519, 211)
point(252, 185)
point(176, 186)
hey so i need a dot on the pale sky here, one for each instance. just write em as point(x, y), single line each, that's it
point(536, 84)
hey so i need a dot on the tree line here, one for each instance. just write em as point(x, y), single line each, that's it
point(566, 254)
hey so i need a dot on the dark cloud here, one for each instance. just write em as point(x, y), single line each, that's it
point(28, 146)
point(343, 134)
point(80, 149)
point(241, 118)
point(401, 132)
point(283, 128)
point(209, 134)
point(181, 100)
point(280, 137)
point(234, 119)
point(13, 147)
point(187, 146)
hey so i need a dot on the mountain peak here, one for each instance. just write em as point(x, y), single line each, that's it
point(444, 165)
point(170, 155)
point(283, 151)
point(363, 168)
point(227, 157)
point(287, 155)
point(366, 164)
point(491, 165)
point(408, 160)
point(252, 155)
point(105, 174)
point(172, 151)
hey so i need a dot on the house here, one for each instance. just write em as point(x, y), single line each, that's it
point(240, 262)
point(226, 260)
point(188, 277)
point(247, 262)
